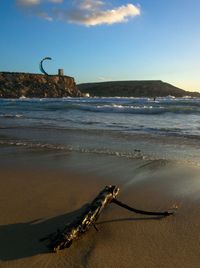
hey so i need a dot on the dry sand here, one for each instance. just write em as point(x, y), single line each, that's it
point(34, 203)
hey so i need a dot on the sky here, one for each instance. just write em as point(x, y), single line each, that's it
point(98, 40)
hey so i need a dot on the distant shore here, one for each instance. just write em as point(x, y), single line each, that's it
point(145, 88)
point(30, 85)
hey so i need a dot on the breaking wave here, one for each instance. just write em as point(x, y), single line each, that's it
point(163, 116)
point(106, 105)
point(136, 154)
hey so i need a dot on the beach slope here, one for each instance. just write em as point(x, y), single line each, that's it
point(35, 202)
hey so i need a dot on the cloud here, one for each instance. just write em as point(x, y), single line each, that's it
point(28, 2)
point(97, 16)
point(82, 12)
point(90, 4)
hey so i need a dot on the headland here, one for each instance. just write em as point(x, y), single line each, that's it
point(16, 85)
point(146, 88)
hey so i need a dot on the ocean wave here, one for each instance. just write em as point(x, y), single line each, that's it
point(107, 127)
point(111, 109)
point(104, 105)
point(136, 154)
point(140, 109)
point(11, 115)
point(170, 117)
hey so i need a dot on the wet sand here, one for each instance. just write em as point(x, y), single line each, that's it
point(36, 199)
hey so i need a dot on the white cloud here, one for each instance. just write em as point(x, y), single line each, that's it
point(83, 12)
point(98, 17)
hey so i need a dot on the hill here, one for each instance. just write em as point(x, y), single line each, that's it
point(146, 88)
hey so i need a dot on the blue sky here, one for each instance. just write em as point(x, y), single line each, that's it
point(97, 40)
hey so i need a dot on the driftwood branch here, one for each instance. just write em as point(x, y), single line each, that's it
point(144, 212)
point(63, 239)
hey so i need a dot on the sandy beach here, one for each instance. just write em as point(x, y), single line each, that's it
point(97, 93)
point(36, 201)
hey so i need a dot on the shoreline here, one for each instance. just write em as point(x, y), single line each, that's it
point(111, 143)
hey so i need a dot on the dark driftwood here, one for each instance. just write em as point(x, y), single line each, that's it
point(63, 239)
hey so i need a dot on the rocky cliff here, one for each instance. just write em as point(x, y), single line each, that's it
point(15, 85)
point(151, 88)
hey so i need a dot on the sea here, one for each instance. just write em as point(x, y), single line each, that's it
point(166, 128)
